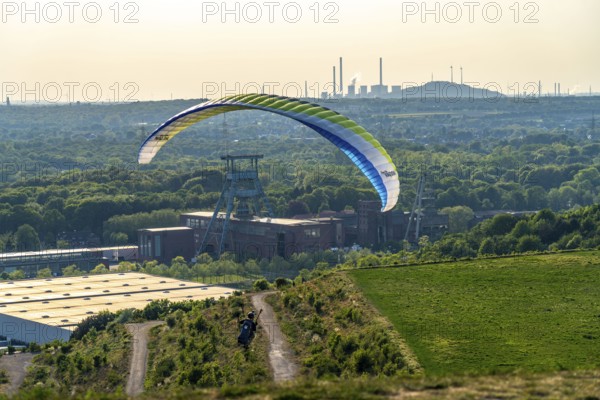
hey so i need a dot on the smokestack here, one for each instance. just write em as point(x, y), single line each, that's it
point(381, 71)
point(451, 74)
point(540, 89)
point(334, 83)
point(461, 75)
point(559, 89)
point(306, 89)
point(342, 76)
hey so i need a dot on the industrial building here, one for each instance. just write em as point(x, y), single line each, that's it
point(85, 258)
point(44, 310)
point(164, 244)
point(248, 228)
point(269, 237)
point(376, 228)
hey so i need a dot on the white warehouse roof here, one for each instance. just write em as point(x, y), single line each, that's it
point(66, 301)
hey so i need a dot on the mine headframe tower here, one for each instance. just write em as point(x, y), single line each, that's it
point(241, 192)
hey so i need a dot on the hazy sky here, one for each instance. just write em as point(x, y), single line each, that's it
point(192, 49)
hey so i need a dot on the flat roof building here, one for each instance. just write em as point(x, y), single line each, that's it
point(44, 310)
point(164, 244)
point(86, 259)
point(268, 237)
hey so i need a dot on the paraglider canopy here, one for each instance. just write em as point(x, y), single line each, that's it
point(352, 139)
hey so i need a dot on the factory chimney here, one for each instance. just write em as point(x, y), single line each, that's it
point(381, 71)
point(342, 76)
point(334, 83)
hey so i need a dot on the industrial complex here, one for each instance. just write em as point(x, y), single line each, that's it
point(248, 229)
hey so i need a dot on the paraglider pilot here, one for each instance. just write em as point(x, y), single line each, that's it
point(248, 329)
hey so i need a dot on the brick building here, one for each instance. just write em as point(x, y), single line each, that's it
point(268, 237)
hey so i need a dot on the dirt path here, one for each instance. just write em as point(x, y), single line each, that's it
point(280, 355)
point(139, 356)
point(15, 366)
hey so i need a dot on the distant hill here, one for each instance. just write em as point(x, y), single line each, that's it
point(448, 91)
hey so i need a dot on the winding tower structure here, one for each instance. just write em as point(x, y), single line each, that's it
point(243, 193)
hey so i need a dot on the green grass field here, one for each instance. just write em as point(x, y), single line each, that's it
point(522, 314)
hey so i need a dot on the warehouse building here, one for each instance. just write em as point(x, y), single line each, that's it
point(268, 237)
point(56, 259)
point(44, 310)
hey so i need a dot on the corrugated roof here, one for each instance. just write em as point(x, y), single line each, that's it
point(66, 301)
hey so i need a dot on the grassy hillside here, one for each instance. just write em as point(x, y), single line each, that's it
point(98, 362)
point(524, 314)
point(336, 333)
point(198, 348)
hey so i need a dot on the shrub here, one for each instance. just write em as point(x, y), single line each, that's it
point(200, 324)
point(290, 301)
point(99, 322)
point(171, 321)
point(261, 285)
point(323, 365)
point(165, 367)
point(362, 362)
point(34, 347)
point(281, 283)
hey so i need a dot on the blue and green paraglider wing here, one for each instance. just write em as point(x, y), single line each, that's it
point(358, 144)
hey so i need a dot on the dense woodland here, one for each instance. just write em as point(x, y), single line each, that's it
point(73, 167)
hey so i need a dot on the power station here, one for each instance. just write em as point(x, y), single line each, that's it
point(382, 90)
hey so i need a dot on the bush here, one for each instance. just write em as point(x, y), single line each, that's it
point(323, 365)
point(529, 243)
point(99, 322)
point(261, 285)
point(281, 283)
point(34, 347)
point(362, 362)
point(171, 321)
point(156, 309)
point(3, 377)
point(165, 367)
point(200, 324)
point(290, 301)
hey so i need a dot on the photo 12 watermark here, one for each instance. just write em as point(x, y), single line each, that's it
point(438, 91)
point(313, 90)
point(452, 12)
point(68, 92)
point(71, 12)
point(270, 12)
